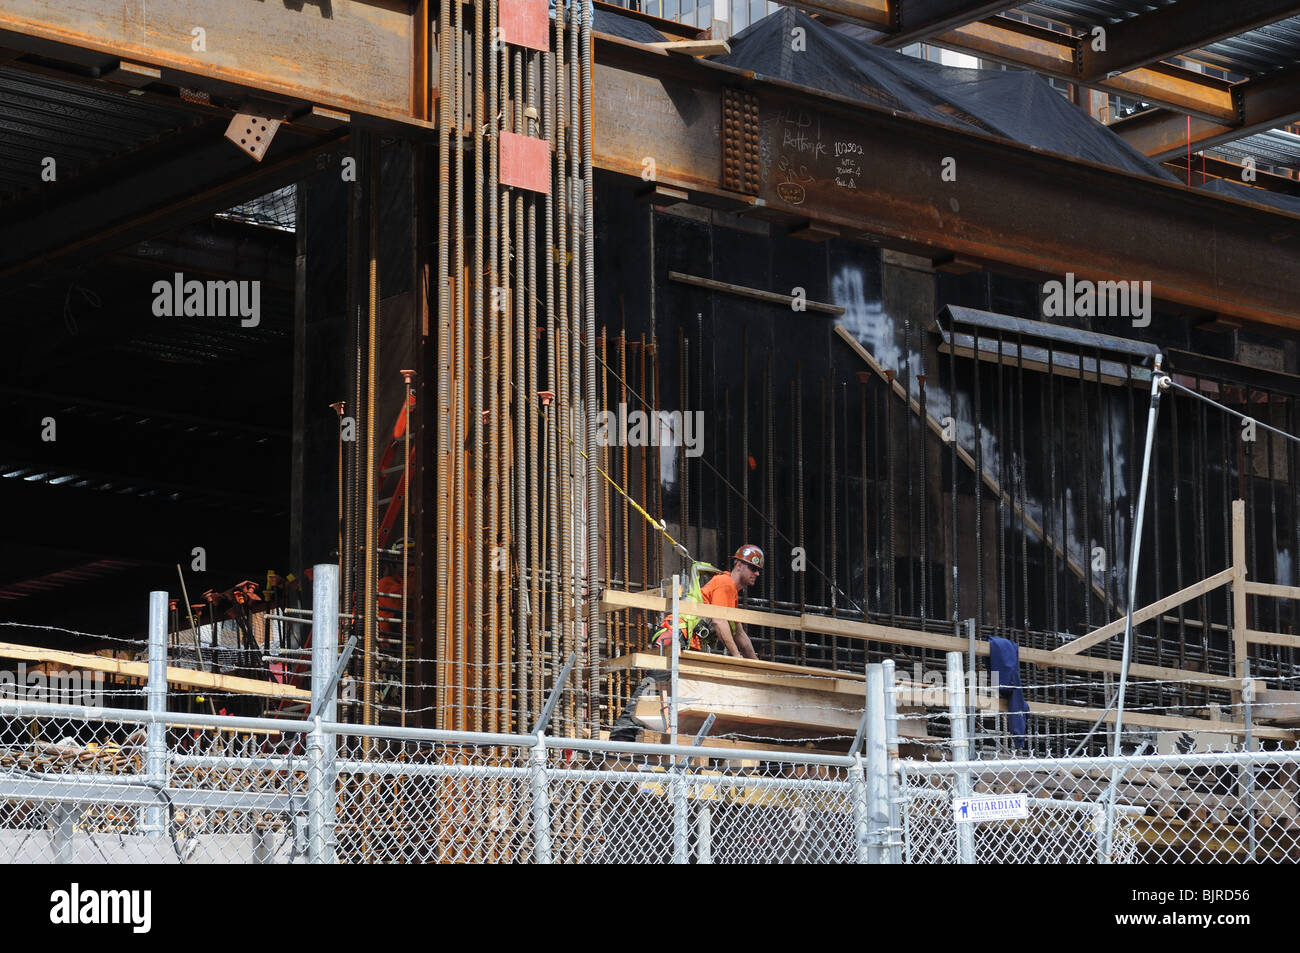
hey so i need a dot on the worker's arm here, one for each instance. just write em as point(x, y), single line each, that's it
point(739, 645)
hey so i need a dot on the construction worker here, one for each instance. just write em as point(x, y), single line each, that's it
point(698, 633)
point(722, 590)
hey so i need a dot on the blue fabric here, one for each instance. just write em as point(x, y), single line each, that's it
point(1004, 659)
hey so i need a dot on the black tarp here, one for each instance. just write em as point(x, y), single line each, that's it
point(1013, 104)
point(1249, 193)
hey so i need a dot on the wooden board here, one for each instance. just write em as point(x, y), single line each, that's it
point(741, 706)
point(1146, 613)
point(176, 676)
point(1270, 589)
point(613, 600)
point(1149, 720)
point(1279, 706)
point(1254, 637)
point(731, 669)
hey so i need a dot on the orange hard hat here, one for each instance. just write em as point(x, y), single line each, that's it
point(751, 555)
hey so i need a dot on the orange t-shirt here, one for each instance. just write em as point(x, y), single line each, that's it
point(721, 591)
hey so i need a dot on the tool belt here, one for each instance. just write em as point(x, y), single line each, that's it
point(697, 638)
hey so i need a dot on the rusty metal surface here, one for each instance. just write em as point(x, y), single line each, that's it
point(1261, 104)
point(740, 129)
point(355, 55)
point(1056, 54)
point(1175, 29)
point(877, 174)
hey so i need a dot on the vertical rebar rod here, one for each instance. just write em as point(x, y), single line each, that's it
point(372, 432)
point(562, 417)
point(769, 483)
point(594, 632)
point(484, 455)
point(550, 458)
point(459, 435)
point(536, 610)
point(442, 610)
point(525, 428)
point(575, 572)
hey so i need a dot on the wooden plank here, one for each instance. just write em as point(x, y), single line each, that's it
point(694, 47)
point(1271, 589)
point(1279, 706)
point(175, 675)
point(716, 667)
point(1239, 643)
point(731, 661)
point(1149, 720)
point(615, 599)
point(1147, 613)
point(1255, 637)
point(729, 668)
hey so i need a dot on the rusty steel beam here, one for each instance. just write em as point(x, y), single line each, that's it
point(1057, 54)
point(1260, 104)
point(359, 56)
point(917, 20)
point(1168, 31)
point(1233, 171)
point(184, 178)
point(877, 14)
point(869, 173)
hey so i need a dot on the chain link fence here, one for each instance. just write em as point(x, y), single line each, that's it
point(1236, 807)
point(113, 786)
point(76, 785)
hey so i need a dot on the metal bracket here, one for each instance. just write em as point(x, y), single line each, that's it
point(551, 700)
point(704, 730)
point(339, 667)
point(253, 130)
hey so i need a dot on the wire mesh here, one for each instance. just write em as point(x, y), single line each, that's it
point(1230, 808)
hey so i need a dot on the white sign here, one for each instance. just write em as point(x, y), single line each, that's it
point(999, 807)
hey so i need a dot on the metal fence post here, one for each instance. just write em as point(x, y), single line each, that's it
point(677, 793)
point(703, 833)
point(891, 746)
point(960, 752)
point(155, 744)
point(541, 803)
point(1247, 701)
point(676, 650)
point(65, 818)
point(858, 795)
point(877, 766)
point(321, 747)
